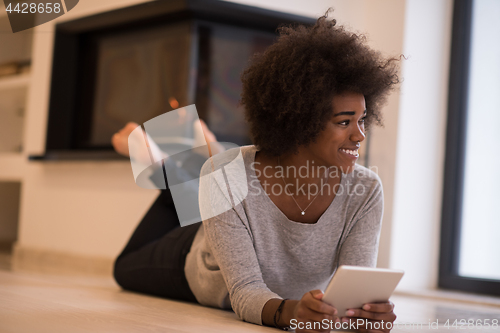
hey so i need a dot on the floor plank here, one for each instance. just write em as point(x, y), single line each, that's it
point(39, 303)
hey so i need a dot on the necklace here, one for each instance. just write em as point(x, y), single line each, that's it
point(302, 211)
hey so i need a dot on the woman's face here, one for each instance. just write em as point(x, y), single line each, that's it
point(338, 144)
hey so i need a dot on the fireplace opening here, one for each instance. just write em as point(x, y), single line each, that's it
point(139, 62)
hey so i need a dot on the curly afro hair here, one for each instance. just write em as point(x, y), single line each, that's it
point(288, 89)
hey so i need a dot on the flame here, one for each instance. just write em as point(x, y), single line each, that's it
point(173, 103)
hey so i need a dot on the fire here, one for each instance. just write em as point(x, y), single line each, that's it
point(173, 103)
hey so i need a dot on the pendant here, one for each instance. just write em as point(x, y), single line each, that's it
point(303, 213)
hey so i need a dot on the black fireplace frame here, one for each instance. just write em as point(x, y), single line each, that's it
point(72, 36)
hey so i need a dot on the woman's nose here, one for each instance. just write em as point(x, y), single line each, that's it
point(358, 133)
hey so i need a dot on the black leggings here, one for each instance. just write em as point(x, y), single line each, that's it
point(153, 260)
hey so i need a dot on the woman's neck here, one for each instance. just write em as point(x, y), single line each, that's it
point(297, 168)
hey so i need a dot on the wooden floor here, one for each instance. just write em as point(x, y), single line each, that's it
point(32, 303)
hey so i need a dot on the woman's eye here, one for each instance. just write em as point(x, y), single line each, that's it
point(346, 122)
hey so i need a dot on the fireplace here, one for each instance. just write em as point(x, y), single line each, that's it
point(136, 63)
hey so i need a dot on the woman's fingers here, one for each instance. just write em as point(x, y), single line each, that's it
point(312, 312)
point(358, 313)
point(363, 325)
point(375, 311)
point(316, 304)
point(309, 315)
point(373, 317)
point(379, 307)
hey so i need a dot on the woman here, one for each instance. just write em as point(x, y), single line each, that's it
point(307, 206)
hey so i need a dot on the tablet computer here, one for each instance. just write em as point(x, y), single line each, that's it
point(353, 286)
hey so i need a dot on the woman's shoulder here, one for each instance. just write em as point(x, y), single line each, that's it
point(223, 181)
point(369, 174)
point(362, 191)
point(367, 178)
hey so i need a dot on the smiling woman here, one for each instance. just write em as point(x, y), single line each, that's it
point(299, 206)
point(309, 99)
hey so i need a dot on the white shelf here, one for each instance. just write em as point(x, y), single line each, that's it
point(15, 81)
point(12, 166)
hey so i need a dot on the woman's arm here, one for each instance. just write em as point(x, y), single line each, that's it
point(228, 236)
point(360, 248)
point(232, 247)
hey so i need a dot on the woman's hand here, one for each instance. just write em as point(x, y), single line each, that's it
point(375, 317)
point(311, 309)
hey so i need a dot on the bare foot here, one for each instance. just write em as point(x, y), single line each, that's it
point(209, 137)
point(120, 139)
point(129, 135)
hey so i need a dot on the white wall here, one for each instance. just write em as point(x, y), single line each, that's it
point(421, 143)
point(386, 35)
point(346, 11)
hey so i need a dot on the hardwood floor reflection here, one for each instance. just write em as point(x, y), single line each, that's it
point(35, 303)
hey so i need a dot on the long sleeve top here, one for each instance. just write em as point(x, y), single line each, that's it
point(249, 252)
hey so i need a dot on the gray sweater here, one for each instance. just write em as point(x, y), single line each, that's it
point(252, 252)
